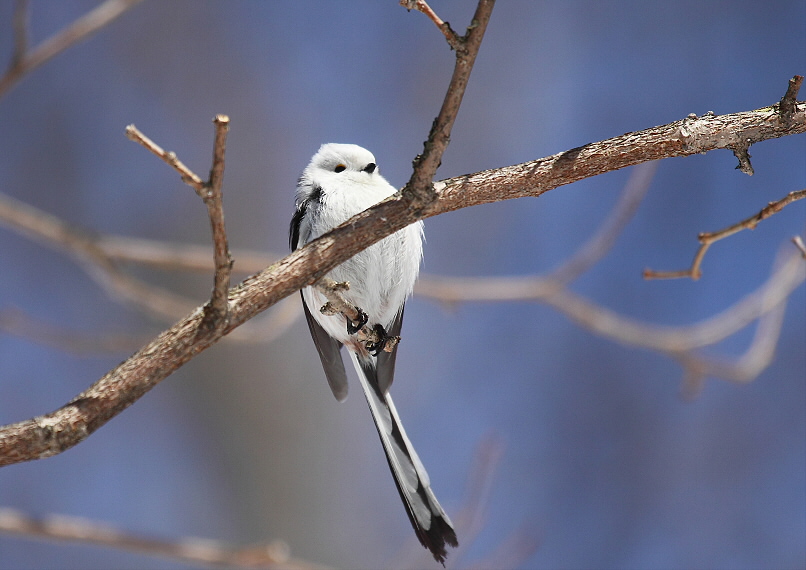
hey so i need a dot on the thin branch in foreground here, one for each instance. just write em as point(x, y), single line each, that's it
point(798, 241)
point(190, 549)
point(709, 238)
point(81, 29)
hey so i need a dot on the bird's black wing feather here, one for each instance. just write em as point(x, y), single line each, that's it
point(386, 360)
point(329, 349)
point(330, 354)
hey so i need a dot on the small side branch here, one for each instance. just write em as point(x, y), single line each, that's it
point(786, 109)
point(708, 238)
point(454, 40)
point(188, 176)
point(216, 311)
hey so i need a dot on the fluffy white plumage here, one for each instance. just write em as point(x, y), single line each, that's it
point(382, 276)
point(341, 181)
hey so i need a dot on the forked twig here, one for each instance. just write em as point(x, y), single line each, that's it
point(708, 238)
point(216, 310)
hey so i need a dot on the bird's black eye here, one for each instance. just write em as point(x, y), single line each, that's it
point(370, 168)
point(340, 168)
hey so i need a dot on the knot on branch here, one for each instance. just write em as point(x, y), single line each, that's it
point(786, 107)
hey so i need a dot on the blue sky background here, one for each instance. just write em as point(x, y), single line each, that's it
point(604, 464)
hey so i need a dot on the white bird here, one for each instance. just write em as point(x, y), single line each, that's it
point(341, 181)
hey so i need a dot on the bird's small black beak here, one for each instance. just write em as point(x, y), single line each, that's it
point(370, 168)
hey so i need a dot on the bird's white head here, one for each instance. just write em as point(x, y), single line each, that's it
point(348, 161)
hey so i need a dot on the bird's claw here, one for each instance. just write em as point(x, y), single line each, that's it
point(385, 342)
point(355, 326)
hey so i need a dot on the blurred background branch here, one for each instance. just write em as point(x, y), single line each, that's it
point(23, 60)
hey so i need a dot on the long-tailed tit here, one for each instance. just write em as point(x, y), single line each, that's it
point(341, 181)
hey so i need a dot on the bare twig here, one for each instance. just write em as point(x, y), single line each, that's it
point(178, 256)
point(188, 176)
point(23, 62)
point(708, 238)
point(454, 40)
point(742, 369)
point(98, 255)
point(55, 232)
point(217, 308)
point(190, 549)
point(419, 191)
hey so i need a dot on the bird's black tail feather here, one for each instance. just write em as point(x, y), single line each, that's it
point(429, 519)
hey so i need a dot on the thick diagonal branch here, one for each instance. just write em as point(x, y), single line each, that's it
point(53, 433)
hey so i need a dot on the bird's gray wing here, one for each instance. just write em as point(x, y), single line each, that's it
point(429, 520)
point(386, 360)
point(330, 354)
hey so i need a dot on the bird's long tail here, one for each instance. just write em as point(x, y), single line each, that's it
point(429, 519)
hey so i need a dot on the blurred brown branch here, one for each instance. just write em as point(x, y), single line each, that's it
point(680, 343)
point(24, 61)
point(188, 549)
